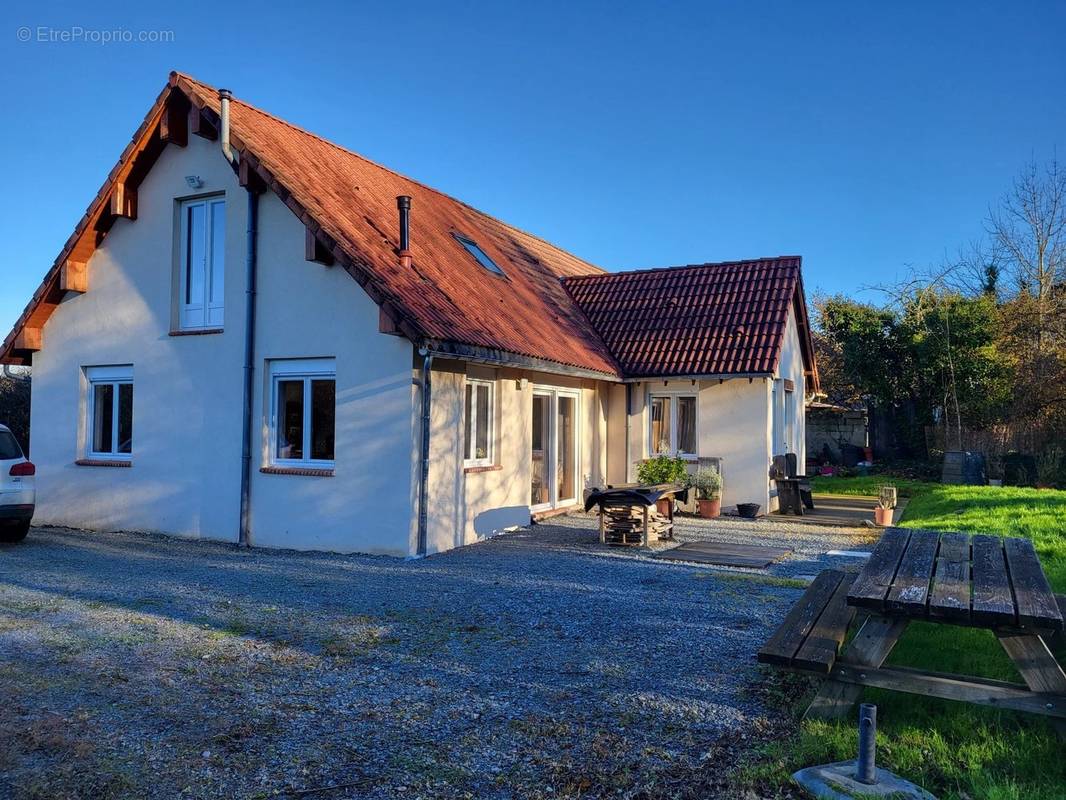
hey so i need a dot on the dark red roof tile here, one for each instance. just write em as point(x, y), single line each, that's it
point(703, 319)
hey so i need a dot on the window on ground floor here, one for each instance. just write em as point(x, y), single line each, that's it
point(302, 412)
point(109, 412)
point(477, 423)
point(673, 424)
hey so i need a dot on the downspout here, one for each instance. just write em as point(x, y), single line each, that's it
point(629, 410)
point(423, 477)
point(403, 205)
point(244, 538)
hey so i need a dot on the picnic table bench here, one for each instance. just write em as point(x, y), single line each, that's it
point(951, 578)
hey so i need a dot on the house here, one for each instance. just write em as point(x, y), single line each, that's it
point(255, 335)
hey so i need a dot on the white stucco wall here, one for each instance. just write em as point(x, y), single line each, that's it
point(185, 475)
point(791, 367)
point(307, 311)
point(733, 423)
point(466, 506)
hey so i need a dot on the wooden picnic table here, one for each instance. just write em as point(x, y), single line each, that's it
point(952, 578)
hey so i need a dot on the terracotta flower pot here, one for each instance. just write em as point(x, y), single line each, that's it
point(664, 506)
point(710, 509)
point(883, 516)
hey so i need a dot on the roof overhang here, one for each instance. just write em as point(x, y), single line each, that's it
point(720, 377)
point(806, 337)
point(502, 358)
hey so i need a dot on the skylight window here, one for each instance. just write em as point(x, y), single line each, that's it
point(480, 255)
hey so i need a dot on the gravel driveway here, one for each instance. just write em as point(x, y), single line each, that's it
point(537, 664)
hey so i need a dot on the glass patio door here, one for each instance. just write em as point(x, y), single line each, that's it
point(553, 473)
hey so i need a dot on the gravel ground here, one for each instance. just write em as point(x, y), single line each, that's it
point(537, 664)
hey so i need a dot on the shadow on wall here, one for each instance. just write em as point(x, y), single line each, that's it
point(496, 520)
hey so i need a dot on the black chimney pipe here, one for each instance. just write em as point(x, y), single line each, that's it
point(403, 202)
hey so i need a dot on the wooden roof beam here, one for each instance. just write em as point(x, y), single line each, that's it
point(28, 339)
point(315, 251)
point(124, 201)
point(74, 276)
point(200, 125)
point(174, 122)
point(248, 177)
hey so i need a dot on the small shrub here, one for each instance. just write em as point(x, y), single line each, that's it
point(708, 483)
point(662, 469)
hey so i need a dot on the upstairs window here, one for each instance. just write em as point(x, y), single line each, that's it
point(303, 410)
point(673, 425)
point(203, 245)
point(478, 433)
point(109, 412)
point(479, 255)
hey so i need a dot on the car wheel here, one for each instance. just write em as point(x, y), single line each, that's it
point(15, 533)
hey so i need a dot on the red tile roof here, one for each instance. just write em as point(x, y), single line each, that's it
point(447, 295)
point(702, 319)
point(675, 321)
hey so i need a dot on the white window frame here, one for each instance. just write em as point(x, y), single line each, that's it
point(790, 420)
point(203, 314)
point(307, 369)
point(113, 376)
point(470, 424)
point(674, 396)
point(551, 453)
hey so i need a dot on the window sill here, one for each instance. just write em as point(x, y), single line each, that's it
point(196, 332)
point(305, 471)
point(103, 462)
point(490, 468)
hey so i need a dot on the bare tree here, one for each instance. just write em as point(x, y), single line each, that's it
point(977, 268)
point(1029, 227)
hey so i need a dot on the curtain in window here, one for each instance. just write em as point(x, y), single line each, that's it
point(686, 425)
point(660, 425)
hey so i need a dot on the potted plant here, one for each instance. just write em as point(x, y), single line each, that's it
point(708, 485)
point(663, 469)
point(886, 502)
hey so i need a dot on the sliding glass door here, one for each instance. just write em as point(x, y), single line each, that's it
point(554, 466)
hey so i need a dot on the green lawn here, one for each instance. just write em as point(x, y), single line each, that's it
point(956, 751)
point(866, 484)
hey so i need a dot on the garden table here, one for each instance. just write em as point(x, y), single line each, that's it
point(953, 579)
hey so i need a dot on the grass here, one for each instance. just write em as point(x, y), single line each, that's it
point(955, 750)
point(866, 485)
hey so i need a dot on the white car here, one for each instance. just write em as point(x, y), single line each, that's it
point(17, 493)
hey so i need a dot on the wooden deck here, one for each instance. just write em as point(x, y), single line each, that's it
point(840, 510)
point(723, 554)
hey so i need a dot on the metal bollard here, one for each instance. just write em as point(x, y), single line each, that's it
point(865, 766)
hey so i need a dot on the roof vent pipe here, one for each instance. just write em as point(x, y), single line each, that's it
point(403, 203)
point(224, 96)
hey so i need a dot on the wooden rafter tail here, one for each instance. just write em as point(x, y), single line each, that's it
point(247, 176)
point(174, 122)
point(74, 276)
point(124, 201)
point(315, 251)
point(200, 125)
point(28, 339)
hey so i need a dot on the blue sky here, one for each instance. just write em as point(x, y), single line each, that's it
point(864, 136)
